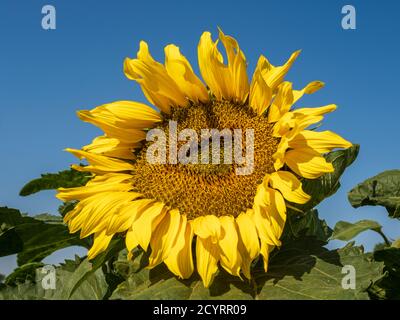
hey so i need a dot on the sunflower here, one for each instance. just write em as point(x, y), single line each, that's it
point(165, 208)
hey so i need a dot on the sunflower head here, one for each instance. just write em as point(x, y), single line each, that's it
point(231, 155)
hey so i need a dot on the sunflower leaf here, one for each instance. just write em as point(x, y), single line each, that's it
point(346, 231)
point(22, 291)
point(387, 287)
point(308, 225)
point(302, 269)
point(86, 269)
point(33, 239)
point(85, 282)
point(380, 190)
point(305, 270)
point(23, 273)
point(94, 287)
point(49, 181)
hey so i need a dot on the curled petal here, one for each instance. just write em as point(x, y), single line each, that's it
point(290, 187)
point(159, 88)
point(179, 68)
point(307, 163)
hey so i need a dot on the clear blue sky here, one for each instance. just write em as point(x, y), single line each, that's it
point(46, 76)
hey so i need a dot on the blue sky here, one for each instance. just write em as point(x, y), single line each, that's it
point(46, 76)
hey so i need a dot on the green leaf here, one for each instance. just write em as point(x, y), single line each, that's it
point(159, 283)
point(391, 256)
point(299, 270)
point(346, 231)
point(309, 224)
point(48, 218)
point(33, 239)
point(26, 272)
point(327, 185)
point(49, 181)
point(10, 242)
point(86, 269)
point(304, 270)
point(22, 291)
point(380, 190)
point(84, 283)
point(387, 287)
point(94, 287)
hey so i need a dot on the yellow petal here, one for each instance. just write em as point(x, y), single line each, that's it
point(103, 210)
point(207, 226)
point(180, 259)
point(145, 224)
point(109, 125)
point(207, 254)
point(265, 251)
point(274, 75)
point(179, 68)
point(307, 163)
point(260, 94)
point(321, 142)
point(277, 212)
point(111, 147)
point(89, 207)
point(229, 81)
point(101, 241)
point(262, 218)
point(282, 102)
point(320, 111)
point(100, 163)
point(164, 237)
point(157, 85)
point(290, 187)
point(308, 89)
point(131, 242)
point(228, 243)
point(130, 114)
point(237, 67)
point(248, 234)
point(118, 182)
point(292, 123)
point(127, 215)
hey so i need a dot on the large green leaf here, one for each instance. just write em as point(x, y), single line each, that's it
point(26, 272)
point(299, 270)
point(86, 269)
point(346, 230)
point(159, 283)
point(33, 239)
point(308, 224)
point(388, 286)
point(10, 242)
point(380, 190)
point(49, 181)
point(327, 185)
point(304, 270)
point(22, 291)
point(94, 287)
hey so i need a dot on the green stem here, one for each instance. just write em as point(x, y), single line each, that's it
point(387, 242)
